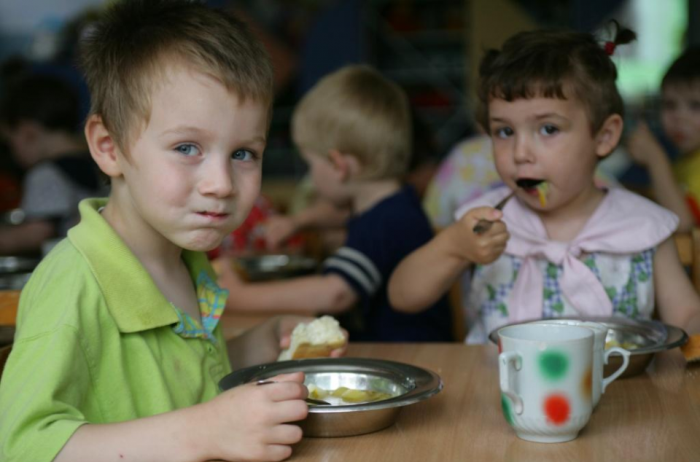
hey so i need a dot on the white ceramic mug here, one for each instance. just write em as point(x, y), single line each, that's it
point(546, 377)
point(600, 355)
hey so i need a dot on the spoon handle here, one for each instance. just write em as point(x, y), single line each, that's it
point(484, 225)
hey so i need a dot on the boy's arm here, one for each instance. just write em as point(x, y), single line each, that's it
point(309, 294)
point(321, 214)
point(646, 151)
point(427, 273)
point(245, 423)
point(678, 302)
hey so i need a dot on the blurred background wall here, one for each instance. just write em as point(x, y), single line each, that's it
point(430, 47)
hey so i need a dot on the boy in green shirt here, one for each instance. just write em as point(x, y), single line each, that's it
point(118, 350)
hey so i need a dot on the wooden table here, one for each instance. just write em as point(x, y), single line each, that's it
point(651, 417)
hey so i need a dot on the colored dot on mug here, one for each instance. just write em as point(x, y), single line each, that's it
point(507, 410)
point(587, 383)
point(553, 364)
point(557, 409)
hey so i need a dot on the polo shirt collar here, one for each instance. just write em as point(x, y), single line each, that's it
point(131, 295)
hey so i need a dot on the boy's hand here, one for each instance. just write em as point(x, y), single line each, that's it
point(643, 146)
point(482, 248)
point(251, 422)
point(286, 324)
point(279, 228)
point(228, 278)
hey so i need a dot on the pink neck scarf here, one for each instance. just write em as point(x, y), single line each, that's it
point(623, 223)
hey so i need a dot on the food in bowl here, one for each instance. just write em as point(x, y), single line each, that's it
point(345, 395)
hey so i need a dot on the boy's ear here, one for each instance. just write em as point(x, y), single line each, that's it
point(346, 165)
point(609, 135)
point(102, 146)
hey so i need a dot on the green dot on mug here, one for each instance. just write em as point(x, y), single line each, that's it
point(507, 410)
point(553, 364)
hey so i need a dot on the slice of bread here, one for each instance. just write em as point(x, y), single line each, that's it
point(314, 340)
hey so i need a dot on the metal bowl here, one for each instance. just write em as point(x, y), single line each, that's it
point(267, 267)
point(406, 384)
point(649, 338)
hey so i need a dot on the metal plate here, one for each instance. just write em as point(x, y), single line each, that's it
point(649, 336)
point(406, 384)
point(266, 267)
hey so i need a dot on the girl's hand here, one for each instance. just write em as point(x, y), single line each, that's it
point(478, 248)
point(252, 422)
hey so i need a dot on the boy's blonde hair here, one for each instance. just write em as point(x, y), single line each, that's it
point(358, 112)
point(126, 55)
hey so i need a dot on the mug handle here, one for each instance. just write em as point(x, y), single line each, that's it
point(625, 362)
point(507, 362)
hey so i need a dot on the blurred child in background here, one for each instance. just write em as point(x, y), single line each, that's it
point(40, 118)
point(550, 104)
point(675, 186)
point(354, 130)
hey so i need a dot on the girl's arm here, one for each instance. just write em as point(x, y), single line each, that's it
point(427, 273)
point(646, 151)
point(677, 301)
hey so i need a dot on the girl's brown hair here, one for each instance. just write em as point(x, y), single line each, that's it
point(552, 63)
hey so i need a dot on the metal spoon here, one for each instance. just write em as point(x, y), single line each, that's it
point(484, 225)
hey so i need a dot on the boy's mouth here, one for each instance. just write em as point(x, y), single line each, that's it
point(213, 214)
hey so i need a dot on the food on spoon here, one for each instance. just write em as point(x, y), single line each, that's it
point(691, 350)
point(314, 340)
point(346, 395)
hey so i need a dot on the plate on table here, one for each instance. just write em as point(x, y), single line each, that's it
point(377, 390)
point(643, 338)
point(280, 266)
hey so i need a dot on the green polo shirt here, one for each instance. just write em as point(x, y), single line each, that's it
point(95, 344)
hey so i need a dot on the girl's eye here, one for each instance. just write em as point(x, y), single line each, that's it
point(694, 105)
point(187, 149)
point(503, 132)
point(549, 130)
point(242, 154)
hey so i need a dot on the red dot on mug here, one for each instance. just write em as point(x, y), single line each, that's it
point(557, 409)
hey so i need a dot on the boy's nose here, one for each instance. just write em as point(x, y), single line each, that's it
point(217, 180)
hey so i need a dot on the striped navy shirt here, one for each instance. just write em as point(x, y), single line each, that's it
point(377, 241)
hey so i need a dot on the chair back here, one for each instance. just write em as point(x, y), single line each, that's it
point(688, 247)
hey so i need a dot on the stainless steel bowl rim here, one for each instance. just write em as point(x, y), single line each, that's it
point(673, 336)
point(425, 382)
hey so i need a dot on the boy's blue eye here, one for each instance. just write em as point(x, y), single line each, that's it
point(549, 130)
point(242, 154)
point(187, 149)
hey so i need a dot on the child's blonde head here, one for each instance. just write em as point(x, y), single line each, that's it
point(554, 64)
point(127, 54)
point(358, 112)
